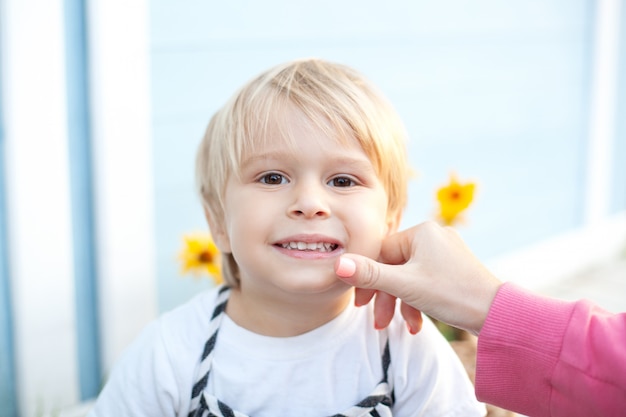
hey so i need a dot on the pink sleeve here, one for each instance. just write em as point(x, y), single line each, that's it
point(545, 357)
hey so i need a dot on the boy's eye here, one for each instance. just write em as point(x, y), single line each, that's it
point(341, 182)
point(273, 179)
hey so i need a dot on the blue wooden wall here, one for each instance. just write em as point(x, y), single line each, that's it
point(497, 92)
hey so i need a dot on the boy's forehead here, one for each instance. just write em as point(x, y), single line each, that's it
point(288, 146)
point(288, 139)
point(283, 125)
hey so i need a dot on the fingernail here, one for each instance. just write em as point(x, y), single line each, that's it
point(346, 267)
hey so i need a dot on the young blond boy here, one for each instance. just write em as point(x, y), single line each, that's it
point(307, 161)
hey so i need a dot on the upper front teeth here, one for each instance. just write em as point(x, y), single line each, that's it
point(319, 246)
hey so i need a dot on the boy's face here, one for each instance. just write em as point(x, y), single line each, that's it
point(294, 210)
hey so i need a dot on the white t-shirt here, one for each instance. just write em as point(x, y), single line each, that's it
point(319, 373)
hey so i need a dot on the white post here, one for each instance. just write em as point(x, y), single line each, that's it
point(119, 51)
point(38, 204)
point(602, 111)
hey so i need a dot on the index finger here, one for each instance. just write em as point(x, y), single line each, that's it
point(363, 296)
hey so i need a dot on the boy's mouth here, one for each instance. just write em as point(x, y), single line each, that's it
point(309, 246)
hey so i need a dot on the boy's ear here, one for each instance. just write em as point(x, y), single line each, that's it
point(219, 235)
point(393, 222)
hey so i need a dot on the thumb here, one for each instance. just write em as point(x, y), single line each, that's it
point(363, 272)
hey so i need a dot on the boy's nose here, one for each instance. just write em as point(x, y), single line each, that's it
point(309, 202)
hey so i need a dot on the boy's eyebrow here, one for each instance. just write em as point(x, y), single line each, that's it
point(359, 163)
point(267, 155)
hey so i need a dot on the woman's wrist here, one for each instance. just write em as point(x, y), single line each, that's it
point(484, 306)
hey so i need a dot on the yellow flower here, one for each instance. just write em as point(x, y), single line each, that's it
point(200, 256)
point(453, 198)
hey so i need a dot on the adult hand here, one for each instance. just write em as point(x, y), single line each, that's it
point(429, 268)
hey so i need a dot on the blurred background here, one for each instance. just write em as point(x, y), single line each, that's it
point(102, 105)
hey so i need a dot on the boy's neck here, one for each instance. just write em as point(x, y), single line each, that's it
point(276, 317)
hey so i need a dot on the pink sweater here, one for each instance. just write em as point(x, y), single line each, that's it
point(544, 357)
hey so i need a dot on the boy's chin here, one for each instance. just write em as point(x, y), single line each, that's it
point(317, 286)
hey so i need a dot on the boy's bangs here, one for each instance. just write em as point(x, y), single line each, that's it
point(264, 123)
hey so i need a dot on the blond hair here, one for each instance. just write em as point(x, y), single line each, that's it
point(335, 98)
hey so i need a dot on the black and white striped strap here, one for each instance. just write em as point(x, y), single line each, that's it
point(207, 353)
